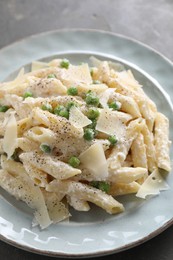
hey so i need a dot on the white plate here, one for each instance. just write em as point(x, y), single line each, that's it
point(93, 233)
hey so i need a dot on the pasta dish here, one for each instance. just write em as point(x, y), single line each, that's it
point(72, 135)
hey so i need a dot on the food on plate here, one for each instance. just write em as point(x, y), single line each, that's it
point(75, 134)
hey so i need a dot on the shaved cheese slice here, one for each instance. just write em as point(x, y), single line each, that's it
point(94, 160)
point(20, 73)
point(55, 63)
point(22, 109)
point(40, 117)
point(95, 62)
point(127, 78)
point(46, 87)
point(109, 123)
point(116, 66)
point(77, 118)
point(36, 65)
point(113, 65)
point(10, 137)
point(123, 117)
point(152, 185)
point(97, 88)
point(56, 209)
point(76, 75)
point(104, 97)
point(25, 190)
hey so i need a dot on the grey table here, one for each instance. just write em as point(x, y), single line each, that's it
point(149, 21)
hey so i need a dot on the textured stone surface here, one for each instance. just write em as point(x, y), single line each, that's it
point(149, 21)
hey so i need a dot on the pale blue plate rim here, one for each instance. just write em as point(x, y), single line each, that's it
point(88, 30)
point(98, 252)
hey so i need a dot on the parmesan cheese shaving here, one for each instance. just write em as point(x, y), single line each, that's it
point(10, 137)
point(45, 87)
point(104, 97)
point(24, 189)
point(97, 88)
point(56, 209)
point(109, 123)
point(36, 65)
point(20, 74)
point(77, 118)
point(76, 75)
point(152, 185)
point(94, 160)
point(127, 78)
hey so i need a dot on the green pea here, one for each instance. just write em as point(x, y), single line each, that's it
point(47, 107)
point(89, 134)
point(4, 108)
point(51, 76)
point(95, 184)
point(45, 148)
point(57, 109)
point(93, 124)
point(91, 72)
point(65, 63)
point(70, 104)
point(92, 99)
point(93, 113)
point(74, 161)
point(112, 139)
point(104, 186)
point(114, 105)
point(64, 113)
point(27, 94)
point(101, 185)
point(73, 91)
point(61, 111)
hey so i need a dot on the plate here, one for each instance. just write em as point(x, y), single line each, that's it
point(94, 233)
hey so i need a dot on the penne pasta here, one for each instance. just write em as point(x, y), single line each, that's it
point(161, 141)
point(120, 151)
point(128, 104)
point(15, 168)
point(10, 136)
point(138, 152)
point(50, 165)
point(88, 193)
point(41, 135)
point(25, 190)
point(77, 203)
point(150, 149)
point(117, 189)
point(72, 135)
point(27, 145)
point(127, 174)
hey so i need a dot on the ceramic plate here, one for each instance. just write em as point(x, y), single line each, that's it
point(94, 233)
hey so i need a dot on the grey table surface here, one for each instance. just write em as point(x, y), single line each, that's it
point(149, 21)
